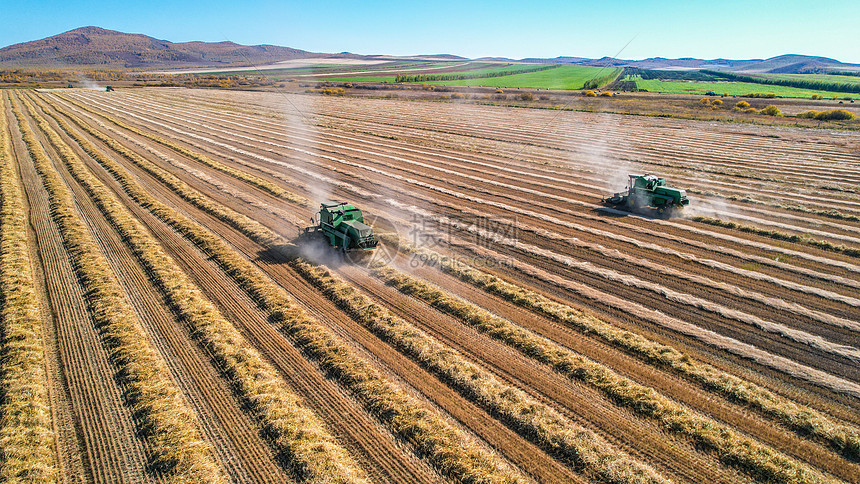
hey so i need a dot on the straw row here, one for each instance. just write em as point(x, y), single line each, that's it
point(27, 450)
point(451, 450)
point(168, 425)
point(569, 442)
point(296, 431)
point(802, 419)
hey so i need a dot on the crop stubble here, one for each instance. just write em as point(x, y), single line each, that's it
point(347, 145)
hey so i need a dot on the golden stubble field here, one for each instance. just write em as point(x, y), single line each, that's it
point(159, 324)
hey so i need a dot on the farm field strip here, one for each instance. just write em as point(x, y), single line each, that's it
point(771, 262)
point(274, 125)
point(333, 403)
point(795, 335)
point(699, 148)
point(570, 442)
point(235, 436)
point(779, 363)
point(169, 426)
point(554, 177)
point(780, 193)
point(641, 399)
point(415, 182)
point(697, 279)
point(590, 143)
point(26, 430)
point(336, 165)
point(308, 334)
point(803, 420)
point(270, 237)
point(297, 432)
point(96, 435)
point(495, 117)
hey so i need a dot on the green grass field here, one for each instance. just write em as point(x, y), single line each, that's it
point(731, 88)
point(564, 77)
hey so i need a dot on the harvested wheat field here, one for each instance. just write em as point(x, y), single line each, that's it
point(160, 324)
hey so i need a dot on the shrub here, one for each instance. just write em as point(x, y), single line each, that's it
point(769, 95)
point(527, 96)
point(835, 115)
point(771, 110)
point(590, 93)
point(717, 102)
point(704, 101)
point(811, 114)
point(751, 110)
point(742, 104)
point(816, 96)
point(606, 94)
point(457, 95)
point(499, 91)
point(543, 97)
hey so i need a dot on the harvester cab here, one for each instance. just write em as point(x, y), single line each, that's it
point(342, 226)
point(649, 191)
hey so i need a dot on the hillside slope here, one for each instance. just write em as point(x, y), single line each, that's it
point(95, 47)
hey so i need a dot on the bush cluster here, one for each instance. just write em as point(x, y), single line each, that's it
point(829, 115)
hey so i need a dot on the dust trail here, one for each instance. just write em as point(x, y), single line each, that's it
point(752, 274)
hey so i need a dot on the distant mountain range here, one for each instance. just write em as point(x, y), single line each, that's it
point(785, 64)
point(94, 47)
point(97, 48)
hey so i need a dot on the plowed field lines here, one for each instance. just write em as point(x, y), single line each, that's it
point(533, 462)
point(235, 437)
point(733, 327)
point(106, 431)
point(496, 183)
point(347, 419)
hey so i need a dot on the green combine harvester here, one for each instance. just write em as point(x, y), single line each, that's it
point(649, 191)
point(342, 227)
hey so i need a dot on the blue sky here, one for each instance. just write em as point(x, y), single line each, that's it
point(705, 29)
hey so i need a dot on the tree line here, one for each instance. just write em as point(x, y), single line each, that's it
point(814, 84)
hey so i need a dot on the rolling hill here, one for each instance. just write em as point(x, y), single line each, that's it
point(96, 47)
